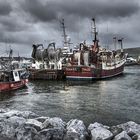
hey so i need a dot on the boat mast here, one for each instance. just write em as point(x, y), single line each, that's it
point(9, 66)
point(64, 35)
point(94, 31)
point(10, 54)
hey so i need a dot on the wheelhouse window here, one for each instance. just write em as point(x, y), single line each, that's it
point(16, 74)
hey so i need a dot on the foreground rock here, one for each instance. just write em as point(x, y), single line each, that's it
point(10, 113)
point(52, 129)
point(115, 130)
point(76, 130)
point(122, 136)
point(130, 127)
point(17, 125)
point(9, 126)
point(99, 132)
point(136, 137)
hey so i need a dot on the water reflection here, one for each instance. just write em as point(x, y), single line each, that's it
point(6, 95)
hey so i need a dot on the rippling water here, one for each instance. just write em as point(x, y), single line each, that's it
point(110, 101)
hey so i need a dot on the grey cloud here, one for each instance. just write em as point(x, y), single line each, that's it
point(89, 8)
point(5, 8)
point(76, 11)
point(12, 24)
point(39, 11)
point(33, 21)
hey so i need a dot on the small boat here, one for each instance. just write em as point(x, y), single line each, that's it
point(130, 61)
point(11, 78)
point(93, 62)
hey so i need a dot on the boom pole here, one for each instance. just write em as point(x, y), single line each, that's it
point(64, 34)
point(94, 30)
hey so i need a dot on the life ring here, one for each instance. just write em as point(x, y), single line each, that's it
point(11, 85)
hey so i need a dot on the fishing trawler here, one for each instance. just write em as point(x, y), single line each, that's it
point(49, 62)
point(93, 62)
point(11, 78)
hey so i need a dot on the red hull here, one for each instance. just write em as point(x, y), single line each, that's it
point(9, 86)
point(88, 73)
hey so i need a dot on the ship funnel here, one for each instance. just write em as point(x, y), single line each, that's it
point(121, 43)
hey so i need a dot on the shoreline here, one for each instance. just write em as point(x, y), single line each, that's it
point(17, 125)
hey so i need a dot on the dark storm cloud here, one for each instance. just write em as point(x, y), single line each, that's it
point(11, 24)
point(5, 8)
point(74, 12)
point(83, 8)
point(27, 21)
point(96, 8)
point(43, 12)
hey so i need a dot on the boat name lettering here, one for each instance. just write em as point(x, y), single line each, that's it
point(85, 69)
point(71, 69)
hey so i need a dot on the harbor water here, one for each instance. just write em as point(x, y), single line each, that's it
point(109, 101)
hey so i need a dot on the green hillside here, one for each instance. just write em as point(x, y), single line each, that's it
point(134, 52)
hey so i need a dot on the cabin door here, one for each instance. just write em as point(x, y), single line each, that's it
point(16, 76)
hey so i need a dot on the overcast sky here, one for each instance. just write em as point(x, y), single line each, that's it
point(24, 22)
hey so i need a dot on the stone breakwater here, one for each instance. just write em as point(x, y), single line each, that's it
point(26, 125)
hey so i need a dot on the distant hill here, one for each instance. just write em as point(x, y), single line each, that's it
point(134, 52)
